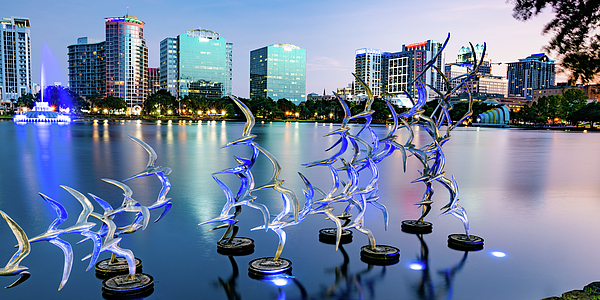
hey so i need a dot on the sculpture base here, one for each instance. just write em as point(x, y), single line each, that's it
point(266, 266)
point(238, 246)
point(381, 255)
point(118, 286)
point(463, 243)
point(415, 226)
point(329, 236)
point(105, 269)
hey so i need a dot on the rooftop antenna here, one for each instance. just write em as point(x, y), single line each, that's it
point(127, 11)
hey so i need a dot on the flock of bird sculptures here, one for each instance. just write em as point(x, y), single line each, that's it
point(109, 230)
point(367, 153)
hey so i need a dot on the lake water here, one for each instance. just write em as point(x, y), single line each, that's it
point(532, 195)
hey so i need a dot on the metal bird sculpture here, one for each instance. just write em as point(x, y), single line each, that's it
point(13, 268)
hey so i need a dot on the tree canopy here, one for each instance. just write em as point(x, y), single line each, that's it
point(576, 39)
point(109, 103)
point(553, 108)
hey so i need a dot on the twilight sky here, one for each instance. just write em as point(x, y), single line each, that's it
point(329, 30)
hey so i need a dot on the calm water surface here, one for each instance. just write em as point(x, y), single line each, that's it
point(533, 195)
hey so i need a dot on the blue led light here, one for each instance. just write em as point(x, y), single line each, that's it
point(498, 254)
point(417, 266)
point(280, 281)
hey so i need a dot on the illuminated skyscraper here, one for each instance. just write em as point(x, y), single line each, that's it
point(169, 66)
point(531, 73)
point(15, 59)
point(367, 66)
point(87, 67)
point(278, 71)
point(153, 80)
point(198, 62)
point(394, 73)
point(126, 60)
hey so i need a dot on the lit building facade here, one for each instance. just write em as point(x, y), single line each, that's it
point(278, 71)
point(419, 54)
point(198, 62)
point(367, 67)
point(126, 60)
point(465, 57)
point(15, 59)
point(392, 73)
point(87, 67)
point(534, 72)
point(153, 80)
point(169, 66)
point(492, 85)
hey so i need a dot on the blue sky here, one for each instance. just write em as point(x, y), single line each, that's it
point(329, 30)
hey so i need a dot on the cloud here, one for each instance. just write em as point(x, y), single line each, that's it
point(323, 63)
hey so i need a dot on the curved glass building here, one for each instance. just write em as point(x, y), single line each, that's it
point(126, 60)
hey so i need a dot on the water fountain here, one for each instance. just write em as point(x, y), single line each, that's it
point(42, 112)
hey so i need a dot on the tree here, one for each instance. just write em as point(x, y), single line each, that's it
point(101, 103)
point(572, 100)
point(287, 107)
point(160, 102)
point(263, 107)
point(26, 100)
point(576, 39)
point(589, 113)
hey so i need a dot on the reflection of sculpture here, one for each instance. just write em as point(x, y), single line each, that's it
point(12, 267)
point(230, 285)
point(426, 289)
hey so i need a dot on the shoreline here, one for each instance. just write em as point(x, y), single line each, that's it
point(195, 120)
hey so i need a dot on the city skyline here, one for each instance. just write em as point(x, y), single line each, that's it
point(330, 31)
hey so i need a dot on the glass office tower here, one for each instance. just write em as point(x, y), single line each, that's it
point(126, 60)
point(198, 62)
point(169, 66)
point(278, 71)
point(15, 59)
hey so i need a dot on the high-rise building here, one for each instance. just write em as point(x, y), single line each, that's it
point(15, 58)
point(367, 66)
point(169, 66)
point(153, 80)
point(465, 57)
point(87, 67)
point(278, 71)
point(198, 62)
point(534, 72)
point(126, 60)
point(483, 84)
point(392, 73)
point(419, 54)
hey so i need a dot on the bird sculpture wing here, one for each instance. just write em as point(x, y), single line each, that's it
point(85, 203)
point(151, 152)
point(126, 189)
point(12, 267)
